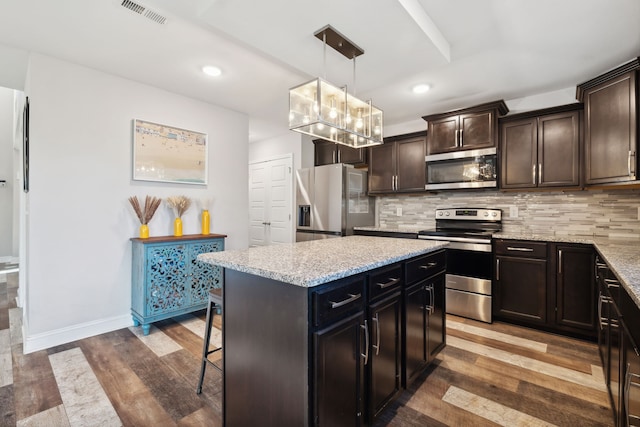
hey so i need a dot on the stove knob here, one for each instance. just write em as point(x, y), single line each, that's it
point(439, 213)
point(446, 213)
point(486, 214)
point(494, 214)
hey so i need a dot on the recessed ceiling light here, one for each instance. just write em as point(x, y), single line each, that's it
point(212, 71)
point(421, 88)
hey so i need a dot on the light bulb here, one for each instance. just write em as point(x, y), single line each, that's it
point(315, 107)
point(291, 116)
point(319, 126)
point(376, 130)
point(333, 113)
point(305, 119)
point(334, 131)
point(348, 118)
point(359, 123)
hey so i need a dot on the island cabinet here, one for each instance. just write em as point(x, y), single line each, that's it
point(541, 148)
point(424, 332)
point(466, 129)
point(324, 355)
point(328, 153)
point(166, 278)
point(546, 285)
point(398, 165)
point(611, 125)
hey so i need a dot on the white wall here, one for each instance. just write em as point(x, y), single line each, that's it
point(6, 173)
point(272, 147)
point(80, 222)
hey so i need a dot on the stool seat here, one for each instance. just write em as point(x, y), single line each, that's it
point(215, 303)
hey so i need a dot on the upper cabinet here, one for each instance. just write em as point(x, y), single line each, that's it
point(466, 129)
point(398, 165)
point(541, 148)
point(327, 153)
point(611, 124)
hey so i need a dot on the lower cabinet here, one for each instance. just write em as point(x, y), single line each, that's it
point(339, 372)
point(546, 285)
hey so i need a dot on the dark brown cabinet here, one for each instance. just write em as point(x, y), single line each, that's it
point(398, 165)
point(466, 129)
point(575, 288)
point(541, 148)
point(611, 125)
point(424, 314)
point(327, 153)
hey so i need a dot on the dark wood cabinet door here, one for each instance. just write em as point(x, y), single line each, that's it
point(339, 374)
point(416, 356)
point(576, 288)
point(559, 150)
point(352, 156)
point(410, 165)
point(610, 131)
point(521, 292)
point(435, 316)
point(382, 168)
point(324, 152)
point(384, 359)
point(630, 411)
point(477, 130)
point(442, 135)
point(518, 142)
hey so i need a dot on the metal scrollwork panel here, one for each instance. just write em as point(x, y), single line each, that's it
point(167, 274)
point(204, 276)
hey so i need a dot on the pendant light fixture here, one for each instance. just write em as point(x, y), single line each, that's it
point(322, 110)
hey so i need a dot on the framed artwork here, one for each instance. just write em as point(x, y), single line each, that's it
point(169, 154)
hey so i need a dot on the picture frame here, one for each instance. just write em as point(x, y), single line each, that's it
point(166, 153)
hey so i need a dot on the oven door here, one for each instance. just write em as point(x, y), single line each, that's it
point(466, 169)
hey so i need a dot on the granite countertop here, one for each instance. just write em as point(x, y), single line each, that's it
point(622, 255)
point(316, 262)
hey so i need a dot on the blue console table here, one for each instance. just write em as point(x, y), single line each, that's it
point(167, 280)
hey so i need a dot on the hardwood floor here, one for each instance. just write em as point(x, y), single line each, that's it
point(487, 375)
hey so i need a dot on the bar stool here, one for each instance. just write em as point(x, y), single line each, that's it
point(215, 303)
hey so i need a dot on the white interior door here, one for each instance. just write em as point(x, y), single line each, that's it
point(270, 201)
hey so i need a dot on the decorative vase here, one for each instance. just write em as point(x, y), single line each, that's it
point(206, 219)
point(144, 231)
point(177, 227)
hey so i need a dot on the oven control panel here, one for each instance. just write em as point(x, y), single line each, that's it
point(470, 214)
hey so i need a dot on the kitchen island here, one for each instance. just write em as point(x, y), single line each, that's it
point(299, 336)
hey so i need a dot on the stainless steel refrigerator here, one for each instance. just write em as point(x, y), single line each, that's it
point(331, 200)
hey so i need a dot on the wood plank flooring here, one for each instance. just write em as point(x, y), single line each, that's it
point(488, 375)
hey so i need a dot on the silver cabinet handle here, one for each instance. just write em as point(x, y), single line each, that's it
point(560, 261)
point(533, 175)
point(612, 283)
point(627, 391)
point(600, 300)
point(391, 282)
point(377, 344)
point(461, 138)
point(430, 307)
point(352, 297)
point(396, 177)
point(518, 249)
point(428, 265)
point(631, 171)
point(497, 268)
point(539, 173)
point(456, 141)
point(339, 159)
point(366, 342)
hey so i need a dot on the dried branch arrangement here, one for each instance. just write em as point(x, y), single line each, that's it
point(179, 204)
point(150, 206)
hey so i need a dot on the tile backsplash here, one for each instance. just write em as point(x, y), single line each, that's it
point(596, 213)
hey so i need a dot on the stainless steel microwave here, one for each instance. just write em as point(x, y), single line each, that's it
point(462, 169)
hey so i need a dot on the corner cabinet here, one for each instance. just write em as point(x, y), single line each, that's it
point(541, 148)
point(466, 129)
point(398, 165)
point(167, 280)
point(611, 125)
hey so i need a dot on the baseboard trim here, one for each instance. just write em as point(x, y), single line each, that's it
point(60, 336)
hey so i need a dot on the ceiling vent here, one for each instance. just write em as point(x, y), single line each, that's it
point(144, 11)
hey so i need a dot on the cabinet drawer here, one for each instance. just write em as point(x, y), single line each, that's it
point(385, 281)
point(425, 266)
point(331, 304)
point(521, 248)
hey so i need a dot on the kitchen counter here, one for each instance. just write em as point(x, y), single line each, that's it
point(313, 263)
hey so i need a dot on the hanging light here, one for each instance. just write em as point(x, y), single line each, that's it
point(322, 110)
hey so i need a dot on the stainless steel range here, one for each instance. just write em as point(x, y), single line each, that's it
point(469, 259)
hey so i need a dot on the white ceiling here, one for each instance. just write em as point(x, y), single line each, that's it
point(500, 49)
